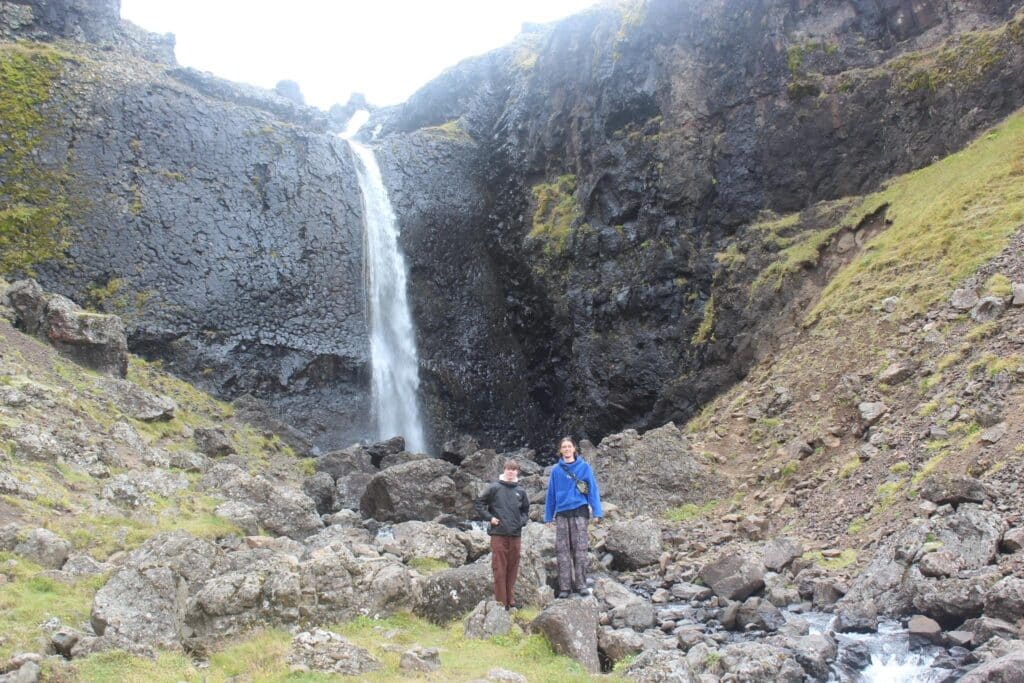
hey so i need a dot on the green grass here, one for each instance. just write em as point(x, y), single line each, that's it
point(684, 513)
point(706, 330)
point(849, 467)
point(997, 285)
point(28, 599)
point(451, 130)
point(556, 212)
point(427, 565)
point(946, 219)
point(845, 559)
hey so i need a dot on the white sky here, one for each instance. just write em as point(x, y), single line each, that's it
point(385, 49)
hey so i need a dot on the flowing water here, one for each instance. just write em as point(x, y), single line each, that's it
point(392, 337)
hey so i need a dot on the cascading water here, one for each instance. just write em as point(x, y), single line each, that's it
point(392, 337)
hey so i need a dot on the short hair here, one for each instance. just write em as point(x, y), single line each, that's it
point(511, 464)
point(569, 439)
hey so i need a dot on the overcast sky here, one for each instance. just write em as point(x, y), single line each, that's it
point(385, 49)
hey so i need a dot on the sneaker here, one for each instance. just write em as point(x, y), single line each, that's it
point(563, 595)
point(511, 607)
point(584, 591)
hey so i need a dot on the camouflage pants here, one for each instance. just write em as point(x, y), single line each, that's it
point(571, 542)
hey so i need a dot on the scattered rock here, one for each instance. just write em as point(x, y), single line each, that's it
point(321, 650)
point(280, 510)
point(964, 299)
point(759, 614)
point(780, 552)
point(1018, 294)
point(988, 308)
point(1005, 600)
point(871, 412)
point(45, 548)
point(425, 659)
point(1013, 540)
point(458, 449)
point(1008, 668)
point(953, 490)
point(213, 442)
point(993, 434)
point(896, 373)
point(617, 644)
point(858, 617)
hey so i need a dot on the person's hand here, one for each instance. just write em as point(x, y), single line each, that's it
point(495, 521)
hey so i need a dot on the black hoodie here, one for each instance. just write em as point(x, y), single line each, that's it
point(509, 503)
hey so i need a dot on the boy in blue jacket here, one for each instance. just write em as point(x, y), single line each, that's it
point(572, 498)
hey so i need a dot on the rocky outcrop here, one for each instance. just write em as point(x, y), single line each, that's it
point(571, 628)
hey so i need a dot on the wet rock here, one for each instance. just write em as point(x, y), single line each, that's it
point(634, 543)
point(733, 576)
point(213, 442)
point(45, 548)
point(488, 619)
point(570, 626)
point(953, 490)
point(418, 490)
point(448, 594)
point(759, 614)
point(858, 617)
point(321, 650)
point(780, 552)
point(422, 659)
point(924, 631)
point(91, 339)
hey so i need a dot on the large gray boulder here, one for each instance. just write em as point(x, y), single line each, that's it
point(1005, 600)
point(91, 339)
point(417, 490)
point(733, 575)
point(488, 619)
point(281, 510)
point(778, 553)
point(953, 490)
point(650, 473)
point(346, 461)
point(634, 543)
point(1006, 669)
point(570, 626)
point(661, 666)
point(429, 540)
point(449, 594)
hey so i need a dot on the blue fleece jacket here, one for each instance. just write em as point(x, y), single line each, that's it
point(562, 493)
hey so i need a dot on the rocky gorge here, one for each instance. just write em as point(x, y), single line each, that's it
point(768, 257)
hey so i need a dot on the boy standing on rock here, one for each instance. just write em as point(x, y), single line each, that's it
point(506, 507)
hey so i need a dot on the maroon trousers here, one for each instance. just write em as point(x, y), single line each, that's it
point(505, 564)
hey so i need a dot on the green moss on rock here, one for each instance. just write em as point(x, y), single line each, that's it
point(33, 204)
point(555, 212)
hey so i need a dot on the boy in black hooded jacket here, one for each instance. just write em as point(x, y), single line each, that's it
point(506, 508)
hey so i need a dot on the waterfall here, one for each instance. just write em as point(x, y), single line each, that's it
point(392, 337)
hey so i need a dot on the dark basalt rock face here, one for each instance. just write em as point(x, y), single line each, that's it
point(672, 127)
point(564, 201)
point(222, 222)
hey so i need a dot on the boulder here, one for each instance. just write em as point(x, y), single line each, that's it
point(984, 629)
point(953, 490)
point(94, 340)
point(993, 434)
point(429, 540)
point(924, 631)
point(349, 490)
point(418, 490)
point(134, 489)
point(1013, 540)
point(570, 626)
point(380, 450)
point(321, 489)
point(1017, 294)
point(952, 601)
point(321, 650)
point(648, 474)
point(756, 662)
point(871, 412)
point(400, 458)
point(660, 666)
point(690, 591)
point(1005, 600)
point(858, 617)
point(988, 308)
point(488, 619)
point(815, 653)
point(280, 510)
point(448, 594)
point(759, 614)
point(618, 643)
point(458, 449)
point(733, 576)
point(346, 461)
point(485, 464)
point(213, 442)
point(634, 543)
point(964, 299)
point(896, 373)
point(1006, 669)
point(780, 552)
point(45, 548)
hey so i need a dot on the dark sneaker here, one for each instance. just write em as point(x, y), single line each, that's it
point(584, 591)
point(563, 595)
point(511, 607)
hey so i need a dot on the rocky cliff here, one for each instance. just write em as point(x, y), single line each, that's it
point(589, 213)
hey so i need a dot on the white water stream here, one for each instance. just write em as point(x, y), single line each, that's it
point(392, 337)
